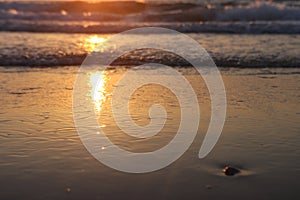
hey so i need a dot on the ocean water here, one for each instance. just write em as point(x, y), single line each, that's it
point(227, 50)
point(235, 33)
point(219, 16)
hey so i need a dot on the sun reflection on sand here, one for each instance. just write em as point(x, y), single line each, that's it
point(98, 92)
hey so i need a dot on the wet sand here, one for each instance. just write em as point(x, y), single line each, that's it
point(42, 156)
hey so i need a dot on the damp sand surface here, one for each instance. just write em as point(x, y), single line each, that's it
point(42, 156)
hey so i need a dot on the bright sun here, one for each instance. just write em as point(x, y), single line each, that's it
point(96, 40)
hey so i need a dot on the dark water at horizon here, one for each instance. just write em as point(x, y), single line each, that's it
point(219, 16)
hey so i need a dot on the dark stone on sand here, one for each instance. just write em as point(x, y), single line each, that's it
point(209, 187)
point(68, 190)
point(230, 171)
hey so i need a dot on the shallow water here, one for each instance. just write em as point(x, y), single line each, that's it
point(227, 50)
point(42, 156)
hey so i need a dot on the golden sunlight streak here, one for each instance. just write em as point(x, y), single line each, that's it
point(94, 43)
point(95, 39)
point(98, 92)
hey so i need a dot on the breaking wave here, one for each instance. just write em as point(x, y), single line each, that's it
point(104, 17)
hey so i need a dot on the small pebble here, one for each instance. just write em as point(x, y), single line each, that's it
point(230, 171)
point(209, 187)
point(68, 190)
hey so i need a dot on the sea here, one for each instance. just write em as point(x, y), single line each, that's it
point(235, 33)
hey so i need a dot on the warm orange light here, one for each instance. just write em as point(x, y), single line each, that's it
point(94, 43)
point(98, 92)
point(95, 40)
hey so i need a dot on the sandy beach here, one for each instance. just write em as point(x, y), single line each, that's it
point(43, 157)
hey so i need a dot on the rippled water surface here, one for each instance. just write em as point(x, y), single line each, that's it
point(57, 49)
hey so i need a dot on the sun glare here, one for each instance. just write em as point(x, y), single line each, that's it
point(95, 39)
point(98, 92)
point(94, 43)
